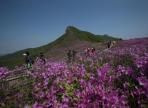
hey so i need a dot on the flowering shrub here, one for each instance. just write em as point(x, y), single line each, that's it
point(118, 77)
point(3, 72)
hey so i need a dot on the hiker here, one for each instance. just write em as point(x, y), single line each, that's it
point(113, 43)
point(42, 58)
point(69, 55)
point(109, 44)
point(28, 60)
point(73, 55)
point(93, 51)
point(87, 52)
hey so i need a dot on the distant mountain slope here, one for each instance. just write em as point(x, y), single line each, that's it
point(73, 38)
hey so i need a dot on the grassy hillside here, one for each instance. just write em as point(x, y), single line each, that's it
point(70, 38)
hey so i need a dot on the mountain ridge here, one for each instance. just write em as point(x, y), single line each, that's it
point(71, 39)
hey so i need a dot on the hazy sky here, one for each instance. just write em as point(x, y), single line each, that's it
point(31, 23)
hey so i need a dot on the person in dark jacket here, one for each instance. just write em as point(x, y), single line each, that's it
point(74, 55)
point(109, 44)
point(69, 56)
point(42, 58)
point(28, 60)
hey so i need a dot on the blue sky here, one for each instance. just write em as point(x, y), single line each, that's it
point(32, 23)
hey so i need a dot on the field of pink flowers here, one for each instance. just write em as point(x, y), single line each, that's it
point(113, 78)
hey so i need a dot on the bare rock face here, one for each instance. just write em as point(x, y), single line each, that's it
point(70, 30)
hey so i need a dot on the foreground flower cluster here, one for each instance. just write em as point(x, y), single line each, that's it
point(117, 78)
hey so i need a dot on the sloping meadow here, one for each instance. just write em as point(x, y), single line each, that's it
point(112, 78)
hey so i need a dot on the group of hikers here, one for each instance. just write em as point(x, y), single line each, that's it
point(71, 55)
point(29, 60)
point(89, 52)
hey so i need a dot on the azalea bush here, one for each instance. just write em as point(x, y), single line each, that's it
point(3, 72)
point(117, 77)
